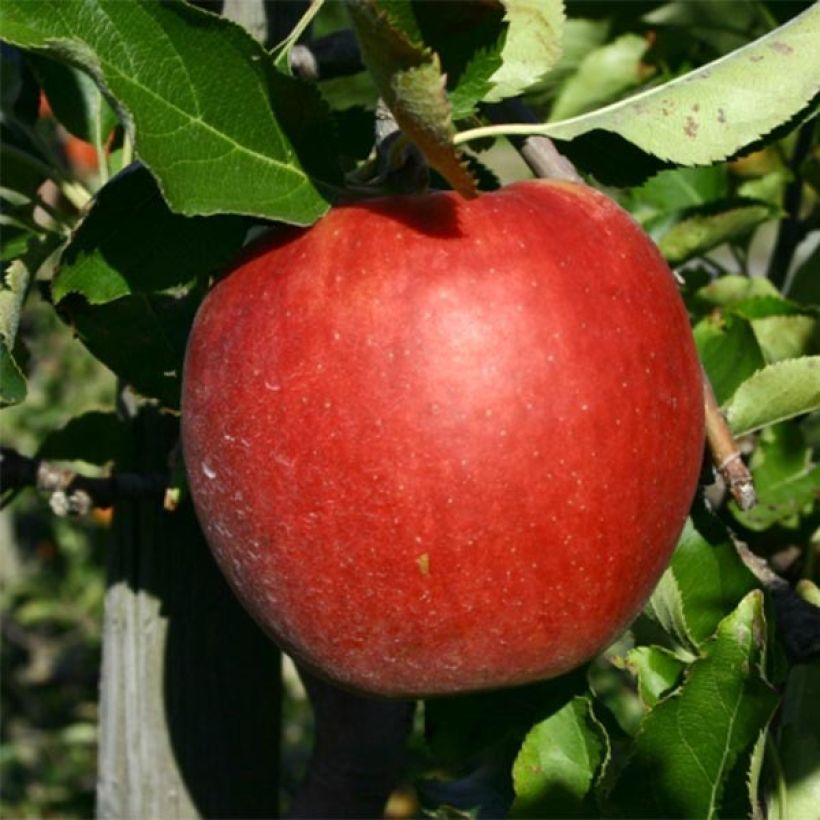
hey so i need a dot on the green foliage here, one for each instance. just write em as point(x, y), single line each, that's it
point(14, 287)
point(558, 762)
point(797, 787)
point(96, 437)
point(687, 745)
point(778, 392)
point(699, 233)
point(701, 586)
point(532, 46)
point(603, 75)
point(160, 251)
point(729, 351)
point(244, 139)
point(675, 719)
point(786, 479)
point(701, 117)
point(141, 337)
point(657, 670)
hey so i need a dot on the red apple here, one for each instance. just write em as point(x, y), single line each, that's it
point(441, 445)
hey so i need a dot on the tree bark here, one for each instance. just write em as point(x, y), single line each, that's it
point(191, 688)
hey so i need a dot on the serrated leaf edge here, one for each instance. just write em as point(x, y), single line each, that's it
point(757, 375)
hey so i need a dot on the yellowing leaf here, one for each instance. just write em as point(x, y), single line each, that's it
point(411, 83)
point(712, 112)
point(532, 47)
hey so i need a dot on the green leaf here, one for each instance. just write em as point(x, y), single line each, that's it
point(96, 437)
point(75, 100)
point(689, 743)
point(786, 479)
point(657, 670)
point(615, 690)
point(131, 242)
point(15, 284)
point(670, 192)
point(763, 307)
point(532, 46)
point(778, 392)
point(12, 381)
point(754, 771)
point(797, 792)
point(714, 111)
point(769, 188)
point(581, 36)
point(741, 790)
point(411, 83)
point(666, 608)
point(729, 351)
point(700, 232)
point(468, 38)
point(605, 74)
point(242, 139)
point(786, 337)
point(805, 284)
point(729, 290)
point(556, 767)
point(141, 337)
point(702, 584)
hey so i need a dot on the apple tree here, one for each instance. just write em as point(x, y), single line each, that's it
point(145, 144)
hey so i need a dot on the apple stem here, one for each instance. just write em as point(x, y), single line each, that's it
point(725, 452)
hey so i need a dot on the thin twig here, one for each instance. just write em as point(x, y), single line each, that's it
point(71, 493)
point(540, 153)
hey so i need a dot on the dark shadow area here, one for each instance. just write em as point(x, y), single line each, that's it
point(142, 245)
point(358, 753)
point(435, 215)
point(611, 159)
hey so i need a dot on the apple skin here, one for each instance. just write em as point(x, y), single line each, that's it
point(440, 445)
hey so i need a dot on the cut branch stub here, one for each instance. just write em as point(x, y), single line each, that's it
point(725, 452)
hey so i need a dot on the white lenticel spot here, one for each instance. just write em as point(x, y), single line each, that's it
point(207, 470)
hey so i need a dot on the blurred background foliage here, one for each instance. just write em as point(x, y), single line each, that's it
point(51, 594)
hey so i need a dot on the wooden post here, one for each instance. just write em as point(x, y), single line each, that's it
point(191, 688)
